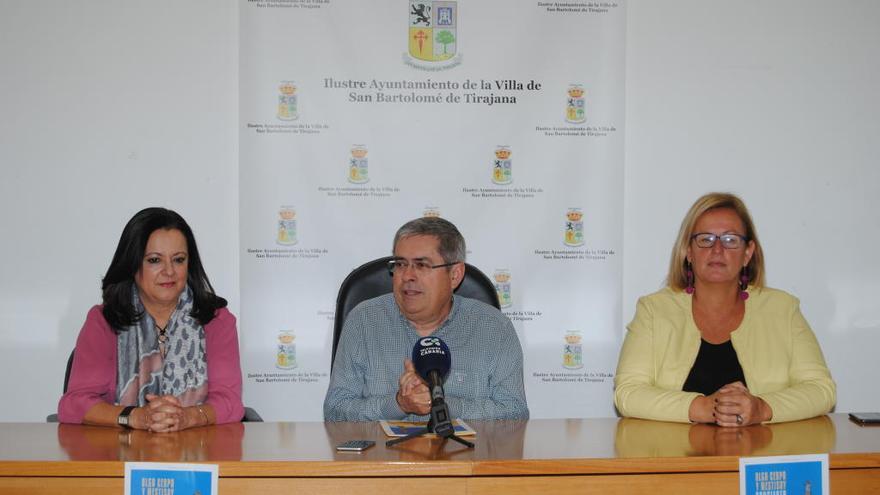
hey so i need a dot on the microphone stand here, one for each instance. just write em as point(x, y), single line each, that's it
point(439, 425)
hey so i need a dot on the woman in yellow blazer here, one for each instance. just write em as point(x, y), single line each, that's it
point(715, 345)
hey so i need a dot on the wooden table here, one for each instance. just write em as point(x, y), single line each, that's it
point(553, 456)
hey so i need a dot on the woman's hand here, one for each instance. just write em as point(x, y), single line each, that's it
point(734, 406)
point(702, 409)
point(163, 413)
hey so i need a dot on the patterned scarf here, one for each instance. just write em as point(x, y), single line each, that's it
point(140, 368)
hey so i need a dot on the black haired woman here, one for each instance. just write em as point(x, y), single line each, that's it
point(161, 352)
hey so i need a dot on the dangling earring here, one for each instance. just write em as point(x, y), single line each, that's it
point(744, 283)
point(690, 277)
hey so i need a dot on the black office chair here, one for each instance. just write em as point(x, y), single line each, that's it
point(53, 418)
point(250, 415)
point(372, 279)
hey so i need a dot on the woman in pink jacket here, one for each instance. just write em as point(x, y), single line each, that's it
point(161, 352)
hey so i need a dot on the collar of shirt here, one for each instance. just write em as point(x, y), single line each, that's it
point(439, 331)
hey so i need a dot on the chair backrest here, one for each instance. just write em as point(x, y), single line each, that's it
point(53, 418)
point(372, 279)
point(67, 371)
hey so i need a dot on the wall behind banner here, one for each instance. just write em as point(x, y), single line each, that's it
point(107, 108)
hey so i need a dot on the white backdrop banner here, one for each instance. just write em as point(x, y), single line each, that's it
point(503, 117)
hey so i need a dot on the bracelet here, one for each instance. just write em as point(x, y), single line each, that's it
point(204, 414)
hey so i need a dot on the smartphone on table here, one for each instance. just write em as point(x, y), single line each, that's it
point(865, 418)
point(355, 445)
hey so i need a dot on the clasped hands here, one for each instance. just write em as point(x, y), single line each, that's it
point(162, 414)
point(731, 405)
point(413, 395)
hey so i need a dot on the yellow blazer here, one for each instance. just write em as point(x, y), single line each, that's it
point(778, 352)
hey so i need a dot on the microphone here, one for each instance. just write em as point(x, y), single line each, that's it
point(432, 360)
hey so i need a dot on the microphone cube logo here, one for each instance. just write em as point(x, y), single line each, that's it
point(429, 342)
point(431, 354)
point(430, 347)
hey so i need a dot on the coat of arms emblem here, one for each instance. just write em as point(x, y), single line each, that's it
point(432, 30)
point(358, 171)
point(502, 171)
point(574, 227)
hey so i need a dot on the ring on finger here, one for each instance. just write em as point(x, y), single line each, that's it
point(739, 419)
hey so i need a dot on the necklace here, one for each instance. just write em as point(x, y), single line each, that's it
point(162, 337)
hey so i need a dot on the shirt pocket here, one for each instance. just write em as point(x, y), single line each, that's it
point(383, 381)
point(467, 383)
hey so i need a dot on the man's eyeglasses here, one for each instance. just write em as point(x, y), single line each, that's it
point(421, 266)
point(728, 241)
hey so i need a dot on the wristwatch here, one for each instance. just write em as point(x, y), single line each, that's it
point(124, 417)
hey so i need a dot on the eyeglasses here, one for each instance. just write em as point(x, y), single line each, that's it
point(421, 266)
point(728, 241)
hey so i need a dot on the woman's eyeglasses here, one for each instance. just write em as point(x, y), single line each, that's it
point(728, 241)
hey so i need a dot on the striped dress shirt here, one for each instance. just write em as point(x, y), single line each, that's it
point(484, 382)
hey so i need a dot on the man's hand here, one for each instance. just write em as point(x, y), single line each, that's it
point(413, 396)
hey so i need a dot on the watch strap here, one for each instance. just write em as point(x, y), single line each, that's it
point(125, 416)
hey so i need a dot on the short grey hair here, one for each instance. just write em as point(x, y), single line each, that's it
point(452, 248)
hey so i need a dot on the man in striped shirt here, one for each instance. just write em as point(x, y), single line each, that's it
point(373, 377)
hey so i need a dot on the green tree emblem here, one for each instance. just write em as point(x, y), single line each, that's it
point(444, 38)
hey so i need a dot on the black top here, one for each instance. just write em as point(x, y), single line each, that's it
point(715, 367)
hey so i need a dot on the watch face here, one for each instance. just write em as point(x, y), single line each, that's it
point(123, 417)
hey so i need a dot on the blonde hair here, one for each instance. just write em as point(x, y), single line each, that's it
point(677, 277)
